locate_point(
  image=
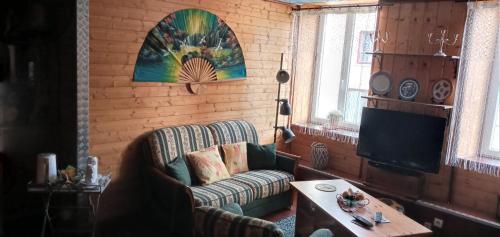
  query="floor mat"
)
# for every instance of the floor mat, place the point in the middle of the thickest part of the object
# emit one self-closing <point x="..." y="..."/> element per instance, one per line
<point x="287" y="225"/>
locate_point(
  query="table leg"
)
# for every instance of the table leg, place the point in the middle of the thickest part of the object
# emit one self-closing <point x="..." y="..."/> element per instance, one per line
<point x="46" y="218"/>
<point x="95" y="211"/>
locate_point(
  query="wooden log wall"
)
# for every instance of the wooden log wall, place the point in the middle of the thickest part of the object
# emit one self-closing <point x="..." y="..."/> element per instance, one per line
<point x="122" y="112"/>
<point x="408" y="25"/>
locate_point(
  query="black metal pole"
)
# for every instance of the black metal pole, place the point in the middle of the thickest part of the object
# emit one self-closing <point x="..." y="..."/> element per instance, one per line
<point x="278" y="102"/>
<point x="277" y="108"/>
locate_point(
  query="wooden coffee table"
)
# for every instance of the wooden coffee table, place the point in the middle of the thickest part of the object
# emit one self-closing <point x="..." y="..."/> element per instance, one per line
<point x="317" y="209"/>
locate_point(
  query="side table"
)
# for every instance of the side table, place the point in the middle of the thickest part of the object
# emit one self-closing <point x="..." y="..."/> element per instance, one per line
<point x="93" y="193"/>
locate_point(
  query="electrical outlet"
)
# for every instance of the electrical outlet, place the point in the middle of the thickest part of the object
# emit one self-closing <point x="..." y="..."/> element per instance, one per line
<point x="428" y="225"/>
<point x="438" y="222"/>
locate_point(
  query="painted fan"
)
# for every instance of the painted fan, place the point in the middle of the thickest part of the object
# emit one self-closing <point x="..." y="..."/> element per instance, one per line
<point x="190" y="46"/>
<point x="197" y="70"/>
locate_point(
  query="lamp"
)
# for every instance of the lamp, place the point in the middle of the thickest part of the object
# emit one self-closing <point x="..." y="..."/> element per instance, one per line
<point x="287" y="134"/>
<point x="285" y="109"/>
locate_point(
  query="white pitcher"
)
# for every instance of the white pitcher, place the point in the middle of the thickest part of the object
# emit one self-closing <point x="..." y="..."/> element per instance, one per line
<point x="46" y="168"/>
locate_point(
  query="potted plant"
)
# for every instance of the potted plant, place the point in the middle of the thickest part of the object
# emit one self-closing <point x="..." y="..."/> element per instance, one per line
<point x="333" y="119"/>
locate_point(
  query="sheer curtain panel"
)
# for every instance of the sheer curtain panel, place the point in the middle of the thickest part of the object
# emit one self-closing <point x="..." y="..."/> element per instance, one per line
<point x="474" y="142"/>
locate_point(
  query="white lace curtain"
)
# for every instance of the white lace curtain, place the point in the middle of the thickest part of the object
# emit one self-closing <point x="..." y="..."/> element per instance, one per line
<point x="473" y="125"/>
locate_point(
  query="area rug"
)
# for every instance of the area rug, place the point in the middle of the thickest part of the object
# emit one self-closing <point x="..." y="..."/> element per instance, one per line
<point x="287" y="225"/>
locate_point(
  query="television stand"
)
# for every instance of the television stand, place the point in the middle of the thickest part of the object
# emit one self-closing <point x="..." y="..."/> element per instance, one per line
<point x="394" y="169"/>
<point x="400" y="181"/>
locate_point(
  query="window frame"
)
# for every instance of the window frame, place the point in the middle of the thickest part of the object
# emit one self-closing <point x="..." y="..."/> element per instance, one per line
<point x="491" y="108"/>
<point x="346" y="63"/>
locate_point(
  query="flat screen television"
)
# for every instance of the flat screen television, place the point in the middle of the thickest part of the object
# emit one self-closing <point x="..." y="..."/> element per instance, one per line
<point x="402" y="140"/>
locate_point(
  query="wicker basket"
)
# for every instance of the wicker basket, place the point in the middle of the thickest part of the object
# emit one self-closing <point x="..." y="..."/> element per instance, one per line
<point x="319" y="154"/>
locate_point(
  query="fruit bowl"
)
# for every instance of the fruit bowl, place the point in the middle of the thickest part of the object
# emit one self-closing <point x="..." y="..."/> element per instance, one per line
<point x="351" y="201"/>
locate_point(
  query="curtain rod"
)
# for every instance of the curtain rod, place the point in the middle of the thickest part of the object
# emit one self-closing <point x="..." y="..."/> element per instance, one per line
<point x="298" y="6"/>
<point x="340" y="6"/>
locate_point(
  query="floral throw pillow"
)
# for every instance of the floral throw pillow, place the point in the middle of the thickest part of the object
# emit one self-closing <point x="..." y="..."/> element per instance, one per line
<point x="235" y="157"/>
<point x="208" y="166"/>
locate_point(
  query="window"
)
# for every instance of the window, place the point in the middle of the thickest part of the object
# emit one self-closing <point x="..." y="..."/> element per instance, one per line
<point x="491" y="129"/>
<point x="343" y="68"/>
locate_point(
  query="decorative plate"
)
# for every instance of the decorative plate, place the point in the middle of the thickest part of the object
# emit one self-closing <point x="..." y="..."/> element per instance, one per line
<point x="441" y="90"/>
<point x="351" y="205"/>
<point x="408" y="89"/>
<point x="381" y="83"/>
<point x="325" y="187"/>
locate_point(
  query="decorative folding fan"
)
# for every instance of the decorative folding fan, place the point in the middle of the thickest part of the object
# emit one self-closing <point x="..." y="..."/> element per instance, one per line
<point x="197" y="70"/>
<point x="190" y="46"/>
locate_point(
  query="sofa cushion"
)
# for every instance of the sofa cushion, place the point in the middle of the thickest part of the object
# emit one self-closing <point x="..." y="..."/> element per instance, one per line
<point x="265" y="183"/>
<point x="166" y="144"/>
<point x="207" y="165"/>
<point x="242" y="188"/>
<point x="233" y="131"/>
<point x="235" y="157"/>
<point x="222" y="192"/>
<point x="178" y="169"/>
<point x="261" y="156"/>
<point x="234" y="208"/>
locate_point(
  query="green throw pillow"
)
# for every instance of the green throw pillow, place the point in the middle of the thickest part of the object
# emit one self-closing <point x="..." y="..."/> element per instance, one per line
<point x="261" y="157"/>
<point x="178" y="169"/>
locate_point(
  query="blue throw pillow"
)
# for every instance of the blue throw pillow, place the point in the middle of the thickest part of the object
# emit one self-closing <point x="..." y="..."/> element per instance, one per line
<point x="178" y="169"/>
<point x="261" y="157"/>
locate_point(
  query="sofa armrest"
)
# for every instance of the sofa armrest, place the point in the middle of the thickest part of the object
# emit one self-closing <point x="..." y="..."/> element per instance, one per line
<point x="211" y="221"/>
<point x="287" y="162"/>
<point x="165" y="187"/>
<point x="174" y="199"/>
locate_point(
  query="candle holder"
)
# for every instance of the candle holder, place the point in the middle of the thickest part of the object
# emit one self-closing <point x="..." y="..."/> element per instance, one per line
<point x="376" y="38"/>
<point x="442" y="41"/>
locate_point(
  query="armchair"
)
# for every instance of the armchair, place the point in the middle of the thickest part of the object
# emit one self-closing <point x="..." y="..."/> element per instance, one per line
<point x="229" y="221"/>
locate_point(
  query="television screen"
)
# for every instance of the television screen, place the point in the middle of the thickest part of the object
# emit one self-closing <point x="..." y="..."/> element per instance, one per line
<point x="401" y="139"/>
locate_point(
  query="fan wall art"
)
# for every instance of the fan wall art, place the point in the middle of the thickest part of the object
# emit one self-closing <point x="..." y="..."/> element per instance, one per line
<point x="190" y="46"/>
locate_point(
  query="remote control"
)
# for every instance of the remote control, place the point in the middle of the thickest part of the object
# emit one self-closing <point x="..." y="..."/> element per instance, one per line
<point x="378" y="217"/>
<point x="363" y="221"/>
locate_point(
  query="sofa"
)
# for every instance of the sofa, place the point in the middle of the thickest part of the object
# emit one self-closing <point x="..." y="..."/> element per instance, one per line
<point x="258" y="192"/>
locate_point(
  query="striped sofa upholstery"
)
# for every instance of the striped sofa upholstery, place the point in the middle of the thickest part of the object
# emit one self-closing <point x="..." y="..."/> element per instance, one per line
<point x="243" y="188"/>
<point x="214" y="222"/>
<point x="233" y="131"/>
<point x="221" y="193"/>
<point x="167" y="144"/>
<point x="265" y="183"/>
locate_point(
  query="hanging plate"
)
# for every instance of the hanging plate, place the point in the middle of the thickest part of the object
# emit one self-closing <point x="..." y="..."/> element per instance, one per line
<point x="441" y="90"/>
<point x="190" y="45"/>
<point x="408" y="89"/>
<point x="381" y="83"/>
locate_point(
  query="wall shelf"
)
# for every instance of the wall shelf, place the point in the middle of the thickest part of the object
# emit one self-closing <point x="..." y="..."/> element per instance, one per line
<point x="380" y="58"/>
<point x="374" y="97"/>
<point x="413" y="55"/>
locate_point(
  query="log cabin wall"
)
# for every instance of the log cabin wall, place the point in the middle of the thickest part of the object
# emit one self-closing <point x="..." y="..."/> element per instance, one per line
<point x="123" y="112"/>
<point x="408" y="25"/>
